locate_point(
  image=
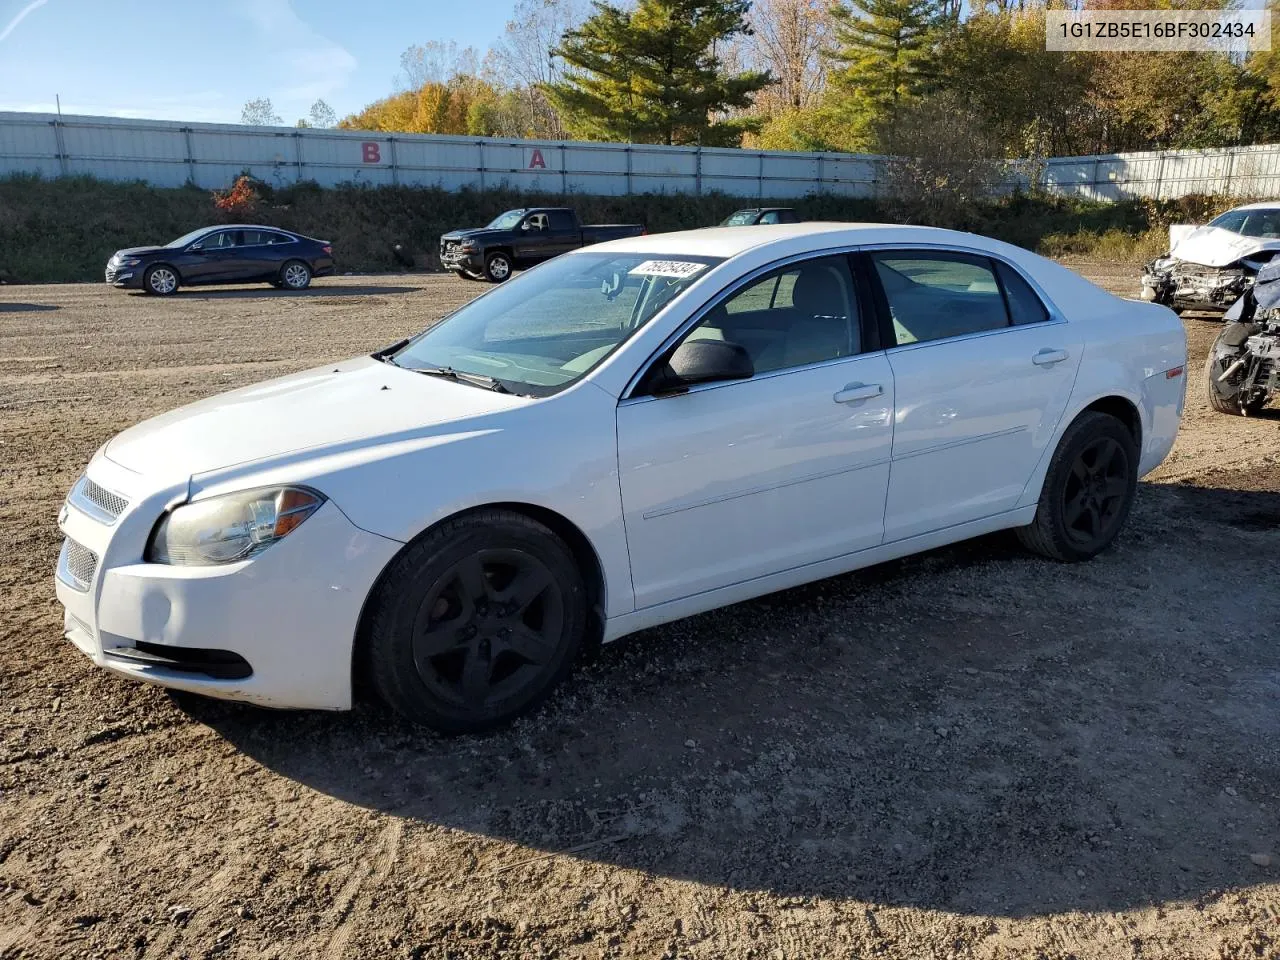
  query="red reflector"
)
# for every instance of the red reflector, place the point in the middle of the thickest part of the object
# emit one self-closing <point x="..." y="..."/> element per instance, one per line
<point x="1173" y="372"/>
<point x="327" y="249"/>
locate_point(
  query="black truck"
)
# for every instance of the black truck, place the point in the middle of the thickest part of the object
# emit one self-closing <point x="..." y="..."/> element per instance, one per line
<point x="521" y="238"/>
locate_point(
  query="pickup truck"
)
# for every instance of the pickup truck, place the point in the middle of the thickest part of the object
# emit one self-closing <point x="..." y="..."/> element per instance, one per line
<point x="521" y="238"/>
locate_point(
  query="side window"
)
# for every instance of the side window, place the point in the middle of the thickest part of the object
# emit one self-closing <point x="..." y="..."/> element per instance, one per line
<point x="770" y="217"/>
<point x="932" y="296"/>
<point x="561" y="220"/>
<point x="221" y="240"/>
<point x="1025" y="306"/>
<point x="536" y="221"/>
<point x="252" y="238"/>
<point x="803" y="313"/>
<point x="273" y="239"/>
<point x="787" y="216"/>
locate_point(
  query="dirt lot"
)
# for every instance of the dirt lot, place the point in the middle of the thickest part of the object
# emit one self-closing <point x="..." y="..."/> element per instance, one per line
<point x="967" y="754"/>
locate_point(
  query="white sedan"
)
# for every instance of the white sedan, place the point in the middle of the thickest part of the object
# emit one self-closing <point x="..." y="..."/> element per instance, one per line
<point x="625" y="435"/>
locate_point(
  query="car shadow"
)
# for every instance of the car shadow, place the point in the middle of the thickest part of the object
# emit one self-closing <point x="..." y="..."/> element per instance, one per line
<point x="28" y="307"/>
<point x="969" y="730"/>
<point x="263" y="291"/>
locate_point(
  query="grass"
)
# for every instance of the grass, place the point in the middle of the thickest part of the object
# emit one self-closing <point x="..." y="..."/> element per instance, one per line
<point x="65" y="229"/>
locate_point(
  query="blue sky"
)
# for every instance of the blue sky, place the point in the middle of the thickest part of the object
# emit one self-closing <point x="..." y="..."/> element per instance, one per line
<point x="200" y="60"/>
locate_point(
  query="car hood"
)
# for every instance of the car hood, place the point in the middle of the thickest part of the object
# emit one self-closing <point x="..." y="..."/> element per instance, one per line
<point x="327" y="408"/>
<point x="138" y="251"/>
<point x="1215" y="247"/>
<point x="480" y="233"/>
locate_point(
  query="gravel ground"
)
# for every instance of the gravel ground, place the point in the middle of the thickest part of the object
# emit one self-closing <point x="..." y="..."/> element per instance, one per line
<point x="971" y="753"/>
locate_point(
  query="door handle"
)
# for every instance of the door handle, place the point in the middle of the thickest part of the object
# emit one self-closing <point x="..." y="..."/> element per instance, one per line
<point x="857" y="391"/>
<point x="1048" y="357"/>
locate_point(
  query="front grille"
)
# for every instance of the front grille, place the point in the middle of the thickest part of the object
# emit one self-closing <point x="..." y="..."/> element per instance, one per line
<point x="110" y="503"/>
<point x="77" y="564"/>
<point x="97" y="501"/>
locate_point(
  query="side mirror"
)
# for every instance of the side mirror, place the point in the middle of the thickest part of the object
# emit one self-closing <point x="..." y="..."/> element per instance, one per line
<point x="703" y="361"/>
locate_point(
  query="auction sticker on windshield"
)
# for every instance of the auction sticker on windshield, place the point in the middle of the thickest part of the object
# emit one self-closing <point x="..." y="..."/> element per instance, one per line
<point x="678" y="269"/>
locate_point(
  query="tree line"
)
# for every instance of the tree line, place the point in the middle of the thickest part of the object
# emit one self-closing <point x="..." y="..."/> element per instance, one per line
<point x="885" y="76"/>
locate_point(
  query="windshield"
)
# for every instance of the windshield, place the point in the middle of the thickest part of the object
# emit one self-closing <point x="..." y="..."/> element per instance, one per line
<point x="187" y="238"/>
<point x="740" y="219"/>
<point x="548" y="327"/>
<point x="508" y="220"/>
<point x="1261" y="223"/>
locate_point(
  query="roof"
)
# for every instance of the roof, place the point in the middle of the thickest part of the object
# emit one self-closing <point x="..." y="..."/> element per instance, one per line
<point x="731" y="241"/>
<point x="1265" y="205"/>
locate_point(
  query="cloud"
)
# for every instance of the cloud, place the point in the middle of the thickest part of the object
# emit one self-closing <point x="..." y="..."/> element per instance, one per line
<point x="311" y="64"/>
<point x="25" y="12"/>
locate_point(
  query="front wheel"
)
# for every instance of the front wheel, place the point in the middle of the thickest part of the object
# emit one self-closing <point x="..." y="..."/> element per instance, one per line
<point x="476" y="622"/>
<point x="1223" y="386"/>
<point x="1088" y="490"/>
<point x="497" y="267"/>
<point x="295" y="275"/>
<point x="161" y="280"/>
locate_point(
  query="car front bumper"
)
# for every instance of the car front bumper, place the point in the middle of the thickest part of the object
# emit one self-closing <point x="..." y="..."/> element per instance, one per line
<point x="1189" y="286"/>
<point x="123" y="277"/>
<point x="453" y="257"/>
<point x="275" y="630"/>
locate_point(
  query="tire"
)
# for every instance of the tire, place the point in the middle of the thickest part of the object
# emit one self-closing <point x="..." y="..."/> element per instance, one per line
<point x="497" y="267"/>
<point x="1232" y="335"/>
<point x="295" y="275"/>
<point x="1088" y="490"/>
<point x="514" y="609"/>
<point x="161" y="280"/>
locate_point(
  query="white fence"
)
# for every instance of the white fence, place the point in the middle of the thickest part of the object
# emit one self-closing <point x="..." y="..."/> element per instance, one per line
<point x="211" y="155"/>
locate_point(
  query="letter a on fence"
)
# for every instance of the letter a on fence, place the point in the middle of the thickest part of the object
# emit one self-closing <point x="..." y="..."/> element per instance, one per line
<point x="535" y="160"/>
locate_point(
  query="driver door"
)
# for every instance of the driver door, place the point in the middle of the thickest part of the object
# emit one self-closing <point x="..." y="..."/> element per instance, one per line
<point x="212" y="259"/>
<point x="532" y="240"/>
<point x="736" y="480"/>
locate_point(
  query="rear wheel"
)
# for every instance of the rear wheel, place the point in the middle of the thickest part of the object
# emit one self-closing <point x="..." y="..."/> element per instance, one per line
<point x="162" y="280"/>
<point x="476" y="622"/>
<point x="1087" y="491"/>
<point x="295" y="275"/>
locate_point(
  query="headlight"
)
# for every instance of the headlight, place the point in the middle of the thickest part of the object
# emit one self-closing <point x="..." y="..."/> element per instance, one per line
<point x="129" y="262"/>
<point x="468" y="246"/>
<point x="232" y="527"/>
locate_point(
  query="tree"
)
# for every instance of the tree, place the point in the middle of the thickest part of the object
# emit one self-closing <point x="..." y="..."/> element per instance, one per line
<point x="886" y="57"/>
<point x="788" y="37"/>
<point x="652" y="74"/>
<point x="525" y="60"/>
<point x="448" y="108"/>
<point x="322" y="115"/>
<point x="436" y="62"/>
<point x="260" y="113"/>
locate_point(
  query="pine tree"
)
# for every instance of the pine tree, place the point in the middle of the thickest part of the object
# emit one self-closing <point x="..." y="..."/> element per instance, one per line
<point x="652" y="74"/>
<point x="885" y="56"/>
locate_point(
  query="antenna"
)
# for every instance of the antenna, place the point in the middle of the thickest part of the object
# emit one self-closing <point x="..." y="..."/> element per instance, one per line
<point x="58" y="100"/>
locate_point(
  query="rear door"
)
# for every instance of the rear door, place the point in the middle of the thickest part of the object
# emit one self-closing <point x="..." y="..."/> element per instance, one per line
<point x="738" y="480"/>
<point x="983" y="371"/>
<point x="256" y="258"/>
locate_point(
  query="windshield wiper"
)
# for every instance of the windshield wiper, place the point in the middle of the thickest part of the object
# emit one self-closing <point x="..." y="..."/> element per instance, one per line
<point x="475" y="379"/>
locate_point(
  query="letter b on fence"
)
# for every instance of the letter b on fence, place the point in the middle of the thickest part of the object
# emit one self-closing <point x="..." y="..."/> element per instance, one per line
<point x="371" y="152"/>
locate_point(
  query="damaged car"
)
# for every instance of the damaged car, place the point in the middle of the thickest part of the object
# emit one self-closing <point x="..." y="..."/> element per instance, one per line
<point x="1243" y="368"/>
<point x="1209" y="268"/>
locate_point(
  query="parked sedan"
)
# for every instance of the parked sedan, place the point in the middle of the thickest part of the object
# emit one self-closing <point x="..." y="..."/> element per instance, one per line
<point x="623" y="436"/>
<point x="237" y="253"/>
